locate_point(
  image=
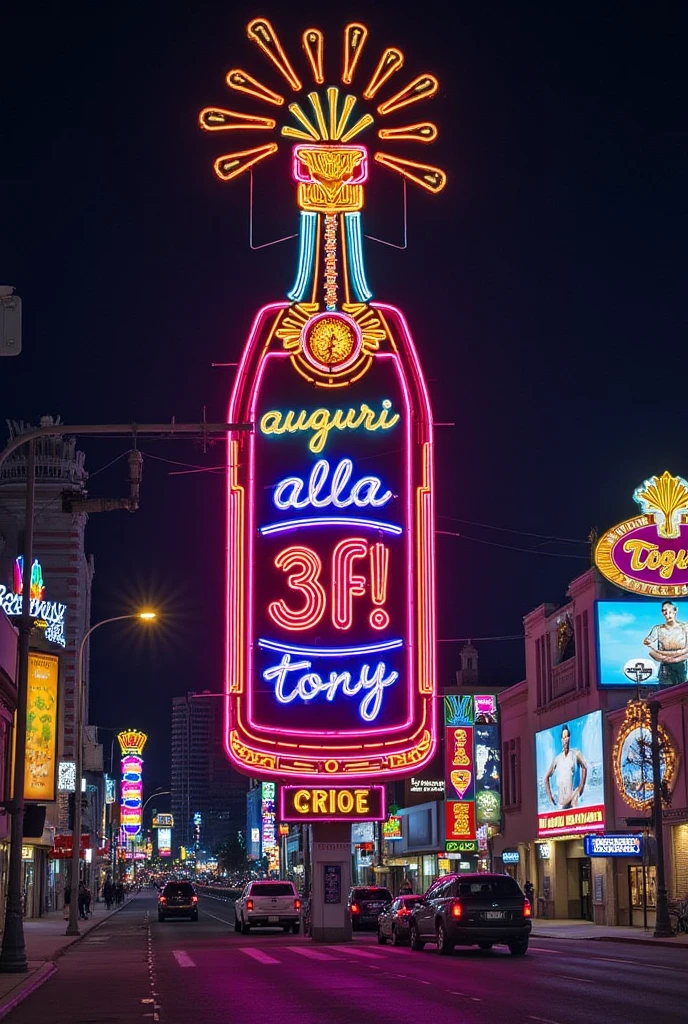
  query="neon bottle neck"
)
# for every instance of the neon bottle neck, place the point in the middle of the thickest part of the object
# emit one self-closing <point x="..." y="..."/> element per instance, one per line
<point x="330" y="261"/>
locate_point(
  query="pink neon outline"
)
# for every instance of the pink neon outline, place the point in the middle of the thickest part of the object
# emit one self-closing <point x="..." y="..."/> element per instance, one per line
<point x="335" y="785"/>
<point x="424" y="698"/>
<point x="338" y="367"/>
<point x="296" y="165"/>
<point x="411" y="673"/>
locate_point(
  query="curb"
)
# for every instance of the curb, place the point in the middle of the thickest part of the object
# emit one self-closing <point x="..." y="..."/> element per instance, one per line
<point x="34" y="981"/>
<point x="667" y="943"/>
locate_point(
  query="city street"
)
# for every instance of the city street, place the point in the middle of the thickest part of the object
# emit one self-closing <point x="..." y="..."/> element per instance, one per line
<point x="135" y="968"/>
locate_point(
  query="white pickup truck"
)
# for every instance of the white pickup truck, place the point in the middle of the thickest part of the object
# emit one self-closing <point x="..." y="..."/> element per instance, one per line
<point x="268" y="904"/>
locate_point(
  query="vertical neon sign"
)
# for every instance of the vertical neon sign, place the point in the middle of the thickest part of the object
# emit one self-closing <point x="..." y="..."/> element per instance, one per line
<point x="330" y="641"/>
<point x="131" y="787"/>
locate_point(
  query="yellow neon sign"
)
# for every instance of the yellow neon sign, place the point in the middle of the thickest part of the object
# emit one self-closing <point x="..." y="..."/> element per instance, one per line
<point x="322" y="421"/>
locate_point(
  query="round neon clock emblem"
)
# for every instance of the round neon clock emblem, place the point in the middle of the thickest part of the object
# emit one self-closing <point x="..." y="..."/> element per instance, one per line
<point x="331" y="342"/>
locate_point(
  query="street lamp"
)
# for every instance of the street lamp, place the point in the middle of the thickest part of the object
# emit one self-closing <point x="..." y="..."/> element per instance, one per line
<point x="146" y="616"/>
<point x="663" y="927"/>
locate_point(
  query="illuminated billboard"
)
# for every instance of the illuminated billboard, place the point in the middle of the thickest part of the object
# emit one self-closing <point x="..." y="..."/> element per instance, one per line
<point x="648" y="554"/>
<point x="473" y="775"/>
<point x="570" y="777"/>
<point x="642" y="642"/>
<point x="131" y="743"/>
<point x="164" y="842"/>
<point x="41" y="727"/>
<point x="330" y="644"/>
<point x="48" y="616"/>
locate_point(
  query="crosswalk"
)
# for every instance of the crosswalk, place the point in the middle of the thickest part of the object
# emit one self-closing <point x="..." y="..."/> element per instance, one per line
<point x="277" y="954"/>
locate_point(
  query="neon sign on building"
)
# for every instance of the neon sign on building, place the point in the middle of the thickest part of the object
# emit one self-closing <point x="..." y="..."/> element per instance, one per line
<point x="49" y="615"/>
<point x="131" y="789"/>
<point x="330" y="653"/>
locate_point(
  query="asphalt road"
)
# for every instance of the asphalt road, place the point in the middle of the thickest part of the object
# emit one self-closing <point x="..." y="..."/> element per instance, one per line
<point x="134" y="968"/>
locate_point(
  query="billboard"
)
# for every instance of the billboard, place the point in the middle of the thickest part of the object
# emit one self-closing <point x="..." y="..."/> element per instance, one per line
<point x="642" y="642"/>
<point x="570" y="777"/>
<point x="164" y="842"/>
<point x="41" y="727"/>
<point x="647" y="554"/>
<point x="473" y="774"/>
<point x="330" y="615"/>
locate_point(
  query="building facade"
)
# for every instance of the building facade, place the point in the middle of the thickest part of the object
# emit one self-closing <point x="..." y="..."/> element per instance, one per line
<point x="67" y="574"/>
<point x="569" y="772"/>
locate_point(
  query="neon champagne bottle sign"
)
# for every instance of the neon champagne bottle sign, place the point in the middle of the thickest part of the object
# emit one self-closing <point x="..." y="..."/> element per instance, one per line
<point x="331" y="589"/>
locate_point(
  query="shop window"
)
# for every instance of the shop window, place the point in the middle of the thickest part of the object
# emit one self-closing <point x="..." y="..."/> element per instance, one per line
<point x="635" y="877"/>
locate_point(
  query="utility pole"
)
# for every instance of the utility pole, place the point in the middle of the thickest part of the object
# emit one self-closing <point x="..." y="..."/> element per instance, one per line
<point x="663" y="927"/>
<point x="13" y="952"/>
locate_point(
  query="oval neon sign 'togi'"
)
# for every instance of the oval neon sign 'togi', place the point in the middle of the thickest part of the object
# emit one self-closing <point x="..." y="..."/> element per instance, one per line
<point x="649" y="554"/>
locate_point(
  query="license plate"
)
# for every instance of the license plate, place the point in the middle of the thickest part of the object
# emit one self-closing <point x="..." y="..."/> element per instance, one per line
<point x="494" y="915"/>
<point x="273" y="920"/>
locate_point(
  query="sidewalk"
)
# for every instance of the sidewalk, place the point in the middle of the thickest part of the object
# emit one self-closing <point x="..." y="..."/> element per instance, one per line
<point x="45" y="941"/>
<point x="544" y="929"/>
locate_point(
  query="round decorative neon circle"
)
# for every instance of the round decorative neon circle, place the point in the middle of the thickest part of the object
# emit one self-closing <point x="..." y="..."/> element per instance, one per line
<point x="331" y="342"/>
<point x="632" y="758"/>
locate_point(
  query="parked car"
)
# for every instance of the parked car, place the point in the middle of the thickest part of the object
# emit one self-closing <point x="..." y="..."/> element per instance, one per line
<point x="365" y="904"/>
<point x="395" y="920"/>
<point x="268" y="904"/>
<point x="467" y="910"/>
<point x="178" y="899"/>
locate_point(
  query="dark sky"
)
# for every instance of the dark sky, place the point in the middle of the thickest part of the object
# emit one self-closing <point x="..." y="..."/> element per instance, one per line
<point x="545" y="288"/>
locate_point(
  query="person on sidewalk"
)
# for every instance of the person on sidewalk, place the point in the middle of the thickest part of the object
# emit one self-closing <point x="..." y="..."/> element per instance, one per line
<point x="529" y="890"/>
<point x="109" y="894"/>
<point x="67" y="901"/>
<point x="82" y="901"/>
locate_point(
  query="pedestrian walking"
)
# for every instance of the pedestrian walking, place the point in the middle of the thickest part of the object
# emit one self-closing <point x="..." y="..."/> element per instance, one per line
<point x="119" y="894"/>
<point x="83" y="900"/>
<point x="67" y="901"/>
<point x="109" y="894"/>
<point x="529" y="890"/>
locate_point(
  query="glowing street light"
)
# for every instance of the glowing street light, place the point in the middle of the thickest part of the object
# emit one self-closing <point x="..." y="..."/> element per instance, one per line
<point x="146" y="616"/>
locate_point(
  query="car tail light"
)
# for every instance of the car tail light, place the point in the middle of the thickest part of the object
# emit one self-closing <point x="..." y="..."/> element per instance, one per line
<point x="249" y="904"/>
<point x="194" y="899"/>
<point x="403" y="912"/>
<point x="355" y="909"/>
<point x="456" y="910"/>
<point x="297" y="904"/>
<point x="162" y="899"/>
<point x="527" y="911"/>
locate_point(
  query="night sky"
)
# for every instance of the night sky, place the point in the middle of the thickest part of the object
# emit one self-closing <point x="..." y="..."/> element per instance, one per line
<point x="545" y="288"/>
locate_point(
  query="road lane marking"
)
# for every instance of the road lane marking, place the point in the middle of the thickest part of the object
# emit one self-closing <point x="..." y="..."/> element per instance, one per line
<point x="312" y="954"/>
<point x="259" y="955"/>
<point x="544" y="1020"/>
<point x="222" y="920"/>
<point x="542" y="949"/>
<point x="182" y="958"/>
<point x="571" y="977"/>
<point x="361" y="952"/>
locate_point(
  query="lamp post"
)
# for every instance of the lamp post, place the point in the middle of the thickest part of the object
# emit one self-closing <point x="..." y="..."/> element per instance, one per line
<point x="662" y="923"/>
<point x="73" y="924"/>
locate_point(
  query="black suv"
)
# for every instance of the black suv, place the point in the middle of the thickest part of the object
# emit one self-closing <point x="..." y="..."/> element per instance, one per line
<point x="467" y="910"/>
<point x="178" y="899"/>
<point x="365" y="904"/>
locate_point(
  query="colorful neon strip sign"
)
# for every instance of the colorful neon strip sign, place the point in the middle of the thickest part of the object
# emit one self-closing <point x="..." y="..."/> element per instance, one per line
<point x="131" y="744"/>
